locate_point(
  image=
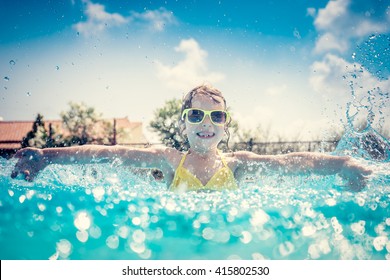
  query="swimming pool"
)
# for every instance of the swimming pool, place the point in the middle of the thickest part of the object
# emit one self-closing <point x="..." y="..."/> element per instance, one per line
<point x="109" y="212"/>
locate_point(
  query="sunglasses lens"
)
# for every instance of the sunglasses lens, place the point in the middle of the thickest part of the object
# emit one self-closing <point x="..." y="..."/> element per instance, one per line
<point x="218" y="117"/>
<point x="195" y="116"/>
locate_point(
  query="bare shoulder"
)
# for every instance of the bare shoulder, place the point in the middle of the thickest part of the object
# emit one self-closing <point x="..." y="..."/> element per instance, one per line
<point x="234" y="159"/>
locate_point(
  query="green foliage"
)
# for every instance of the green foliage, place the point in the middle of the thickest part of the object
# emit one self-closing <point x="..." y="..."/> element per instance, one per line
<point x="40" y="137"/>
<point x="80" y="120"/>
<point x="166" y="125"/>
<point x="82" y="124"/>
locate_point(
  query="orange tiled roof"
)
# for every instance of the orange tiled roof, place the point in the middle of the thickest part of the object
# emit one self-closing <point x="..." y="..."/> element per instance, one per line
<point x="12" y="132"/>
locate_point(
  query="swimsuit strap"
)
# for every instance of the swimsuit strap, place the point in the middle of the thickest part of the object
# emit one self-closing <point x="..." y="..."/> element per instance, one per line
<point x="182" y="160"/>
<point x="222" y="158"/>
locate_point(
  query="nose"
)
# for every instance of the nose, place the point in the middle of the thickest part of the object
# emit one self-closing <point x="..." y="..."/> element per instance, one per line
<point x="207" y="121"/>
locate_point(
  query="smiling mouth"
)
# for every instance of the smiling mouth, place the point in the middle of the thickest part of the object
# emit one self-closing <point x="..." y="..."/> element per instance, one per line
<point x="205" y="134"/>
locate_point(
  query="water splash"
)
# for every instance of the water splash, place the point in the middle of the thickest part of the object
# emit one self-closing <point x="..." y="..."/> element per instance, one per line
<point x="369" y="100"/>
<point x="367" y="144"/>
<point x="110" y="212"/>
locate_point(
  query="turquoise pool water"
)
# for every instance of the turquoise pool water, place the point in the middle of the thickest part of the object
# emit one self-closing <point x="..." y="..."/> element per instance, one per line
<point x="108" y="212"/>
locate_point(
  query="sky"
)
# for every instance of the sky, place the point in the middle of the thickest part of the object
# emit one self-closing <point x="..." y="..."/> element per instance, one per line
<point x="290" y="67"/>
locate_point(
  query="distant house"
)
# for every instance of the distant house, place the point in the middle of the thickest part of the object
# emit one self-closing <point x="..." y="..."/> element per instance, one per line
<point x="13" y="132"/>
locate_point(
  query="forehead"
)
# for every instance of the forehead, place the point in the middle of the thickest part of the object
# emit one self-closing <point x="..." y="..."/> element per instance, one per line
<point x="206" y="102"/>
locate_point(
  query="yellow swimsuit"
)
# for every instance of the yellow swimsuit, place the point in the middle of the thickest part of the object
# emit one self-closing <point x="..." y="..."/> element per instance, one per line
<point x="184" y="180"/>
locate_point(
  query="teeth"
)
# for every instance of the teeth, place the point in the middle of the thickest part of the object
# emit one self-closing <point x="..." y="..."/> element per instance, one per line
<point x="205" y="134"/>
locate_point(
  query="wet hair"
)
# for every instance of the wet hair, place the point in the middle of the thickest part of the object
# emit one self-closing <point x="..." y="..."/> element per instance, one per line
<point x="206" y="90"/>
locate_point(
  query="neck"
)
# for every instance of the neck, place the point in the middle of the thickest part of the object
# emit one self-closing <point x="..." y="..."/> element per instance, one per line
<point x="203" y="153"/>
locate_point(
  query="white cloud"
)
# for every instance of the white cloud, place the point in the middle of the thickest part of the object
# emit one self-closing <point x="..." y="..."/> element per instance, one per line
<point x="157" y="19"/>
<point x="327" y="72"/>
<point x="366" y="27"/>
<point x="190" y="71"/>
<point x="328" y="17"/>
<point x="98" y="19"/>
<point x="344" y="82"/>
<point x="338" y="26"/>
<point x="329" y="41"/>
<point x="1" y="118"/>
<point x="333" y="74"/>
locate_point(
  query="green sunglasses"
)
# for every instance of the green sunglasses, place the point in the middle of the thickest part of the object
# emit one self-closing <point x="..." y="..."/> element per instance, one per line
<point x="217" y="117"/>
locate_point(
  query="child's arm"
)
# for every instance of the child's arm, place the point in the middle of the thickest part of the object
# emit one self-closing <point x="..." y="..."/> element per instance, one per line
<point x="32" y="160"/>
<point x="304" y="163"/>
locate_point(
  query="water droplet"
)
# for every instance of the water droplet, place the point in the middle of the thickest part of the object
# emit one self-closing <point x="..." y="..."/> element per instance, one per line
<point x="78" y="33"/>
<point x="296" y="34"/>
<point x="112" y="241"/>
<point x="124" y="231"/>
<point x="28" y="93"/>
<point x="286" y="248"/>
<point x="12" y="62"/>
<point x="208" y="233"/>
<point x="246" y="237"/>
<point x="82" y="236"/>
<point x="64" y="248"/>
<point x="95" y="232"/>
<point x="139" y="236"/>
<point x="22" y="198"/>
<point x="6" y="79"/>
<point x="82" y="221"/>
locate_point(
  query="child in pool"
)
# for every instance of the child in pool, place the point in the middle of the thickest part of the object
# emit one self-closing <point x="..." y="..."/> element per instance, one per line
<point x="204" y="121"/>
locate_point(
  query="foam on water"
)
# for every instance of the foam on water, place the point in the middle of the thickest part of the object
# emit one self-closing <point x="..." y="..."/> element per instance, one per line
<point x="110" y="212"/>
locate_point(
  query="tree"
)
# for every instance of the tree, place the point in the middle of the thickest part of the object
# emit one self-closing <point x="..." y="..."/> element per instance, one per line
<point x="80" y="121"/>
<point x="40" y="137"/>
<point x="166" y="125"/>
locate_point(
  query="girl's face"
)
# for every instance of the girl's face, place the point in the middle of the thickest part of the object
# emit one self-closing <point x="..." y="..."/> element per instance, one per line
<point x="205" y="136"/>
